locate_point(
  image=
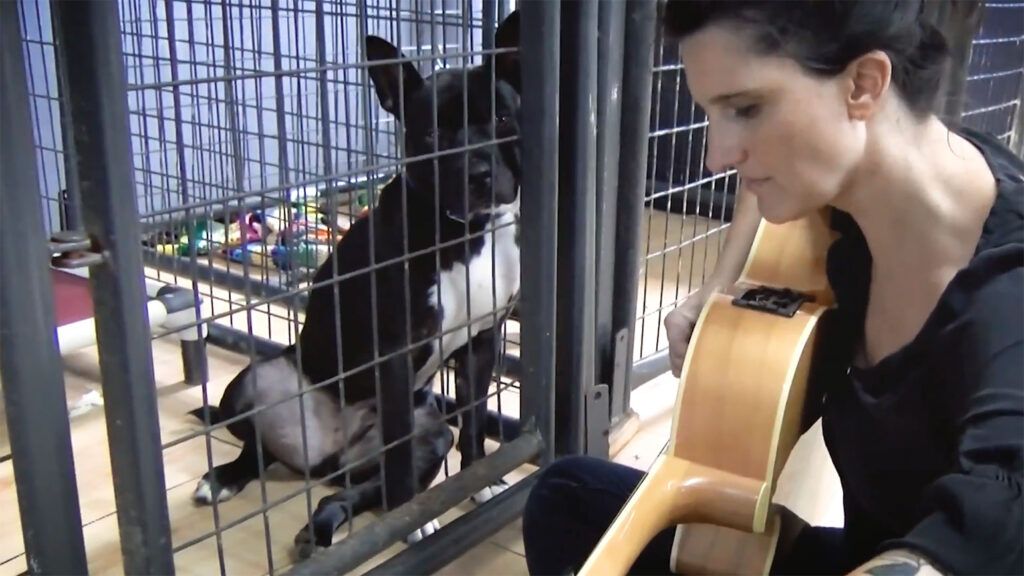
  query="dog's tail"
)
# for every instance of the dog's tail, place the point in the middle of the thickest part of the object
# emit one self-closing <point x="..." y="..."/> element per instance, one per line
<point x="215" y="415"/>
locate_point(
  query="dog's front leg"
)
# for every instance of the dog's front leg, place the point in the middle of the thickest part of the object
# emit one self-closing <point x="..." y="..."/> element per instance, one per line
<point x="396" y="428"/>
<point x="473" y="372"/>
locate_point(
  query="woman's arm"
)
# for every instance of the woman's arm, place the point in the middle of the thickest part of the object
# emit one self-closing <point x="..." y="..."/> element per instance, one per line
<point x="738" y="240"/>
<point x="733" y="256"/>
<point x="897" y="563"/>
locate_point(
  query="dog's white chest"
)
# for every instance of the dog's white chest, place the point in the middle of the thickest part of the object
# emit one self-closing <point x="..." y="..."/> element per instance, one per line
<point x="492" y="279"/>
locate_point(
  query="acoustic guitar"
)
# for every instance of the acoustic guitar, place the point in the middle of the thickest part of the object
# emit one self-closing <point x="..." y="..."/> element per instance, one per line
<point x="737" y="414"/>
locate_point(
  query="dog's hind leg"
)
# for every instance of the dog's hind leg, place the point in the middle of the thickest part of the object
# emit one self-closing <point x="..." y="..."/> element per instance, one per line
<point x="334" y="510"/>
<point x="432" y="443"/>
<point x="473" y="372"/>
<point x="226" y="480"/>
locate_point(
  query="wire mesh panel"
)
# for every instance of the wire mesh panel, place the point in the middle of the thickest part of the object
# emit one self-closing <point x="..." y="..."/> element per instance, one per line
<point x="995" y="75"/>
<point x="261" y="137"/>
<point x="687" y="208"/>
<point x="41" y="69"/>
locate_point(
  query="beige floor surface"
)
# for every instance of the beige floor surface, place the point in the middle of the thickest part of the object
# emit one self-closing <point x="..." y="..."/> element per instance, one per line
<point x="682" y="249"/>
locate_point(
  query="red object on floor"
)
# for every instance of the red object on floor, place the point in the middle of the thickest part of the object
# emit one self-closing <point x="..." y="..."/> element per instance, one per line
<point x="71" y="297"/>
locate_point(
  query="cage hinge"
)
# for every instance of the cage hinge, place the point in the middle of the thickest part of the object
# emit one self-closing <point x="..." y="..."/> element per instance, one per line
<point x="71" y="249"/>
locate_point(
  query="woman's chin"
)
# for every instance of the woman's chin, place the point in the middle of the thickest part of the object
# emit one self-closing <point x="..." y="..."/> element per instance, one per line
<point x="773" y="213"/>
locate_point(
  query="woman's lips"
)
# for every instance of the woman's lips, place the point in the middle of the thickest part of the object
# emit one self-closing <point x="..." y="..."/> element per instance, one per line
<point x="755" y="182"/>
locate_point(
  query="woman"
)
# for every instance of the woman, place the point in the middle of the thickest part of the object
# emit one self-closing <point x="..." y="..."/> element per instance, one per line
<point x="828" y="103"/>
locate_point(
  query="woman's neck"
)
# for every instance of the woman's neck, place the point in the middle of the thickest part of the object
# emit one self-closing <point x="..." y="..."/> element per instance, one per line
<point x="920" y="196"/>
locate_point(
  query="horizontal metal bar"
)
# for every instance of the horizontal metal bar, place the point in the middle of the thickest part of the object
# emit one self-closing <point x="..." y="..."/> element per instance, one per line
<point x="436" y="551"/>
<point x="238" y="341"/>
<point x="221" y="278"/>
<point x="991" y="108"/>
<point x="1007" y="40"/>
<point x="991" y="75"/>
<point x="394" y="525"/>
<point x="499" y="427"/>
<point x="377" y="168"/>
<point x="649" y="368"/>
<point x="317" y="69"/>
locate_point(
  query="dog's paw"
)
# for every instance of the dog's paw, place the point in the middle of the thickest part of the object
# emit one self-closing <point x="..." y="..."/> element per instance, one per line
<point x="427" y="530"/>
<point x="304" y="545"/>
<point x="205" y="492"/>
<point x="490" y="492"/>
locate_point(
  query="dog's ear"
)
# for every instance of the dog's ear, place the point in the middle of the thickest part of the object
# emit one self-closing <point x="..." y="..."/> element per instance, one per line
<point x="388" y="79"/>
<point x="506" y="65"/>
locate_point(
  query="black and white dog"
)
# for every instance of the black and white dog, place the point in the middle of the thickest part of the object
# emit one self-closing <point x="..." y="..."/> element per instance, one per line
<point x="346" y="423"/>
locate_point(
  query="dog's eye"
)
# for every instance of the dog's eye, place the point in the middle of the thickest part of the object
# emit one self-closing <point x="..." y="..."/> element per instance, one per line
<point x="501" y="120"/>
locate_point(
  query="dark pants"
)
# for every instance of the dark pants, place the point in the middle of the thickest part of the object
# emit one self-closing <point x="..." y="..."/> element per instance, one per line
<point x="576" y="499"/>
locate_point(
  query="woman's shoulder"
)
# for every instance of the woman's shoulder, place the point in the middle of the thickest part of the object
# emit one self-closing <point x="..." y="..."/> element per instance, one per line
<point x="1005" y="222"/>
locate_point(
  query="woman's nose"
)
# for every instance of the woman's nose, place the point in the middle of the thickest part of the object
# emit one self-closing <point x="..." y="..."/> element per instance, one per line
<point x="724" y="151"/>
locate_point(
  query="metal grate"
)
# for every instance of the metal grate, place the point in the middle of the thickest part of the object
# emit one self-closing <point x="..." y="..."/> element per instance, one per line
<point x="995" y="74"/>
<point x="257" y="143"/>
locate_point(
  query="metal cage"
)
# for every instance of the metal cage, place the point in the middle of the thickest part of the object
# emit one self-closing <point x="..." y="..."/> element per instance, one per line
<point x="201" y="159"/>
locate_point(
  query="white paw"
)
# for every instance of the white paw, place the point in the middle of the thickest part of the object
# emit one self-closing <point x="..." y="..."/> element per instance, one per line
<point x="427" y="530"/>
<point x="204" y="494"/>
<point x="490" y="492"/>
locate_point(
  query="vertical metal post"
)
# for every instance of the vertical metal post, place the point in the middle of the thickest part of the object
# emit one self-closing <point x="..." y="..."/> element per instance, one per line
<point x="539" y="205"/>
<point x="37" y="418"/>
<point x="575" y="365"/>
<point x="489" y="10"/>
<point x="638" y="62"/>
<point x="611" y="27"/>
<point x="72" y="202"/>
<point x="94" y="68"/>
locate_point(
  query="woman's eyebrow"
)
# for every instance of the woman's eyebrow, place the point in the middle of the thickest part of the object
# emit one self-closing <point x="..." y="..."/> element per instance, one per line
<point x="726" y="98"/>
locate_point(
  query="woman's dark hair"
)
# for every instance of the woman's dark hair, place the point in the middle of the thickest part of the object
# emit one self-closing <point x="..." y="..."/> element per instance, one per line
<point x="824" y="36"/>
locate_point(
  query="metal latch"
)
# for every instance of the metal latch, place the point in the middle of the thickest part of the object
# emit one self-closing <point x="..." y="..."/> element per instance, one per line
<point x="73" y="249"/>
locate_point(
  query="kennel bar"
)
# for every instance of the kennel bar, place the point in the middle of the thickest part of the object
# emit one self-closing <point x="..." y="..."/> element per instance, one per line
<point x="611" y="25"/>
<point x="539" y="223"/>
<point x="33" y="381"/>
<point x="389" y="527"/>
<point x="637" y="76"/>
<point x="98" y="109"/>
<point x="574" y="339"/>
<point x="464" y="533"/>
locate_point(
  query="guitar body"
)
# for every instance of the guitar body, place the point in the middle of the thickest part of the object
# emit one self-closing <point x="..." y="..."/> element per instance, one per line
<point x="738" y="414"/>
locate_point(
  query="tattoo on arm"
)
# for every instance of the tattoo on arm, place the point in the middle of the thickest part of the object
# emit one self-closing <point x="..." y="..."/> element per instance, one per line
<point x="898" y="563"/>
<point x="895" y="568"/>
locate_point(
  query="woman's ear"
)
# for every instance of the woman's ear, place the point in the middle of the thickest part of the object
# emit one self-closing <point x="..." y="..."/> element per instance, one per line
<point x="868" y="79"/>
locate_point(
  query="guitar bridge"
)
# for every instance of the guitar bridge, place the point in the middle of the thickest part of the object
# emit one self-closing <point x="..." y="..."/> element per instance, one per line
<point x="780" y="301"/>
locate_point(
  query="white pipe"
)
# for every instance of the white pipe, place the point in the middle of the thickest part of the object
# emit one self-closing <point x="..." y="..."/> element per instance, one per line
<point x="82" y="334"/>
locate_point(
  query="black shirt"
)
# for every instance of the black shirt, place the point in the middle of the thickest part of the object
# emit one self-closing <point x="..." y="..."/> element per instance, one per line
<point x="929" y="442"/>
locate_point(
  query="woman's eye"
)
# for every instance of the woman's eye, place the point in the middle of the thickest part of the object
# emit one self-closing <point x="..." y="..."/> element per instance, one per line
<point x="747" y="112"/>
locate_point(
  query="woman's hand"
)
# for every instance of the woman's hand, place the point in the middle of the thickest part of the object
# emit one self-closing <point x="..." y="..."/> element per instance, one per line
<point x="679" y="324"/>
